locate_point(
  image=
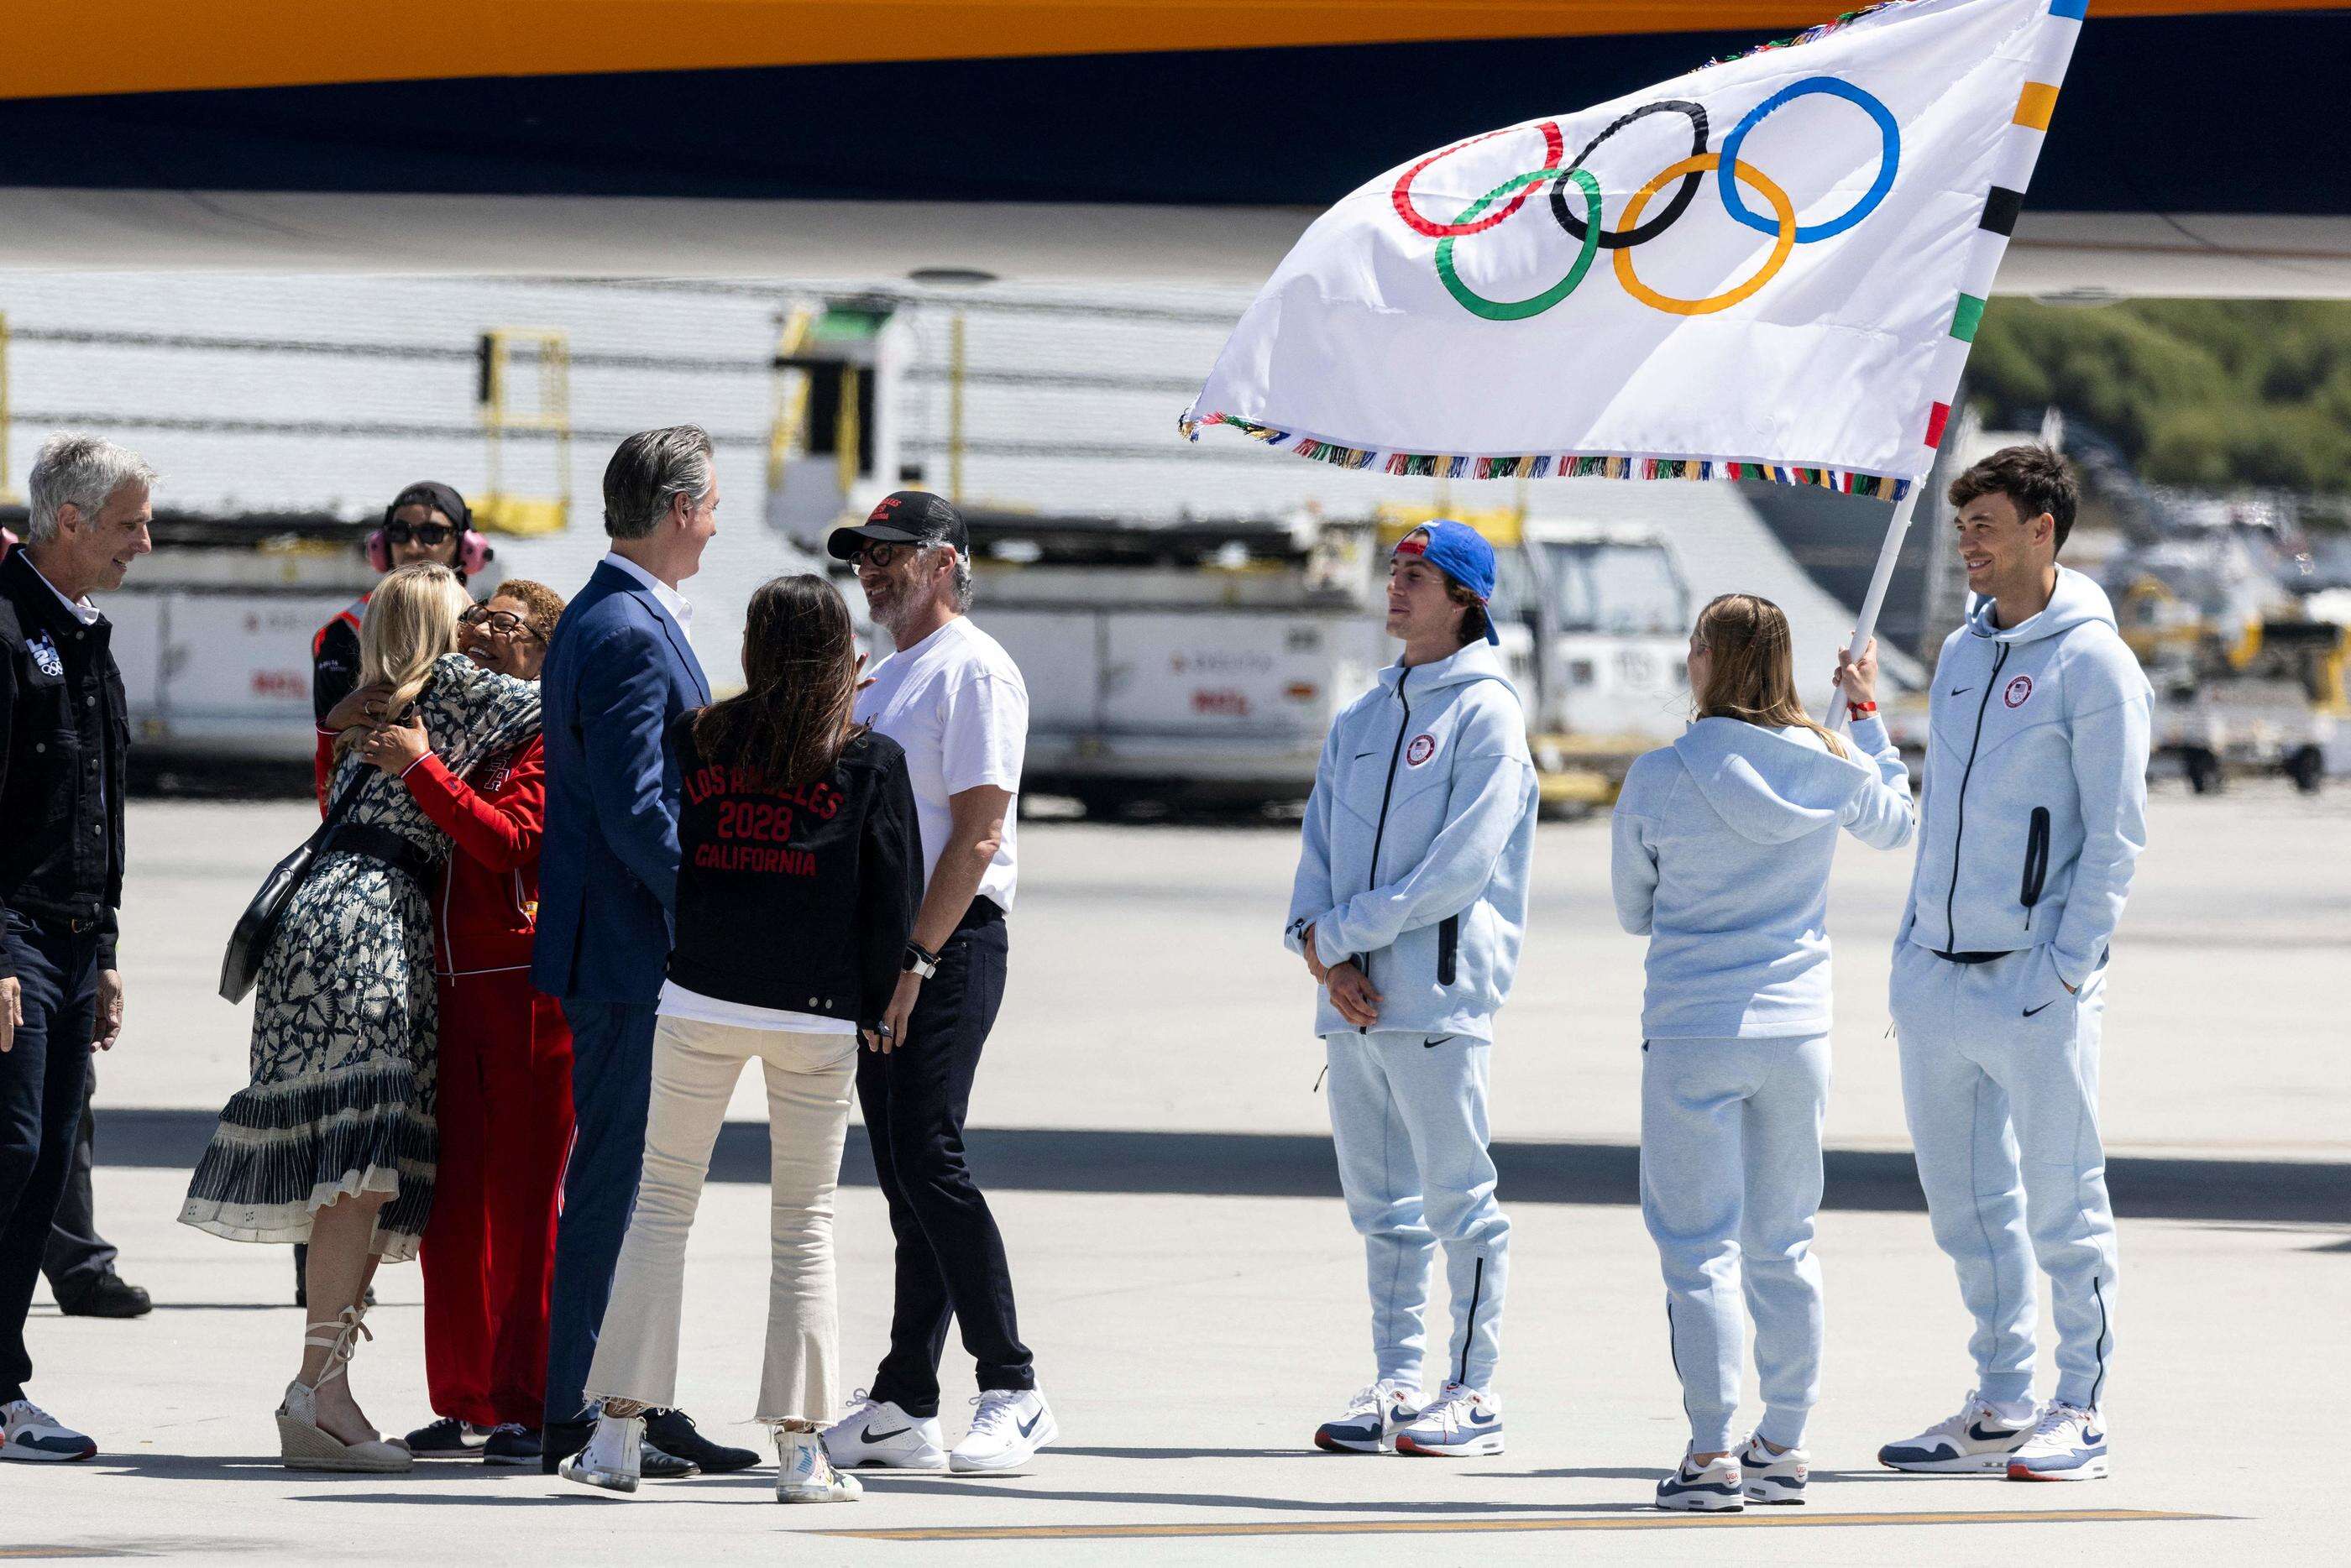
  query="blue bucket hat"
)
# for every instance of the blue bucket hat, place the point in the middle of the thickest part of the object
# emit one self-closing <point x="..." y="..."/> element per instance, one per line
<point x="1461" y="553"/>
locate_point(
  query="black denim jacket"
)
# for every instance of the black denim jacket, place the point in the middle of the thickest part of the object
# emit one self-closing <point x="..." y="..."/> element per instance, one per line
<point x="65" y="741"/>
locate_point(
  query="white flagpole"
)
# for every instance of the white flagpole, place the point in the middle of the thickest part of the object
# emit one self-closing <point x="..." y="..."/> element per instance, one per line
<point x="1874" y="599"/>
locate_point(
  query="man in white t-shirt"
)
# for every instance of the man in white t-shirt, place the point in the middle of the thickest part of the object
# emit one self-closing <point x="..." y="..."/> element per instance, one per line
<point x="953" y="699"/>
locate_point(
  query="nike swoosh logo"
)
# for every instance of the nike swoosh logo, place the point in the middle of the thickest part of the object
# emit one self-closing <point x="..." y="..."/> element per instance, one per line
<point x="1976" y="1431"/>
<point x="1030" y="1425"/>
<point x="1478" y="1420"/>
<point x="1361" y="755"/>
<point x="1959" y="691"/>
<point x="1433" y="1044"/>
<point x="2031" y="1011"/>
<point x="871" y="1435"/>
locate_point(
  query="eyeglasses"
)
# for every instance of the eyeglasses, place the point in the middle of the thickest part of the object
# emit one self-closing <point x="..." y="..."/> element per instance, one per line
<point x="498" y="623"/>
<point x="432" y="535"/>
<point x="879" y="557"/>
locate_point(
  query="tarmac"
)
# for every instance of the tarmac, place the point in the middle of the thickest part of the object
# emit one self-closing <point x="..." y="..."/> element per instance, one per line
<point x="1147" y="1125"/>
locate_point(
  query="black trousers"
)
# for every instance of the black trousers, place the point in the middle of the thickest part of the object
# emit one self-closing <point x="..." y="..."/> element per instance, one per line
<point x="951" y="1259"/>
<point x="41" y="1101"/>
<point x="77" y="1256"/>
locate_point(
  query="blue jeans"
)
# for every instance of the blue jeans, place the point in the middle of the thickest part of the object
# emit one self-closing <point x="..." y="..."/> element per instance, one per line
<point x="41" y="1081"/>
<point x="1730" y="1180"/>
<point x="612" y="1088"/>
<point x="1408" y="1122"/>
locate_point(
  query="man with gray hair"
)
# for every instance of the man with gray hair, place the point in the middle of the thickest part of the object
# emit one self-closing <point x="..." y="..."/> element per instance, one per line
<point x="64" y="736"/>
<point x="620" y="669"/>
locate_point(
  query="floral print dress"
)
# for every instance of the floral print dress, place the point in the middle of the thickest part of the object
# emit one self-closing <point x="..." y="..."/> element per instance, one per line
<point x="344" y="1019"/>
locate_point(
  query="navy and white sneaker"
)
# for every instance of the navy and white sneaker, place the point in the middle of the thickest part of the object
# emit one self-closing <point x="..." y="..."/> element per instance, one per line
<point x="1372" y="1418"/>
<point x="879" y="1433"/>
<point x="1464" y="1424"/>
<point x="446" y="1439"/>
<point x="1773" y="1477"/>
<point x="32" y="1436"/>
<point x="1977" y="1441"/>
<point x="2069" y="1444"/>
<point x="1714" y="1486"/>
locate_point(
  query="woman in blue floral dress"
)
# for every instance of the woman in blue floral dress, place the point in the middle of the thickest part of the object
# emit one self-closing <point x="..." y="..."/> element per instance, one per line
<point x="333" y="1143"/>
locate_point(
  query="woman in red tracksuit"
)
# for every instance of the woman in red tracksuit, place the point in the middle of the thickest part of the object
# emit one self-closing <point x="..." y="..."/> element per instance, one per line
<point x="504" y="1101"/>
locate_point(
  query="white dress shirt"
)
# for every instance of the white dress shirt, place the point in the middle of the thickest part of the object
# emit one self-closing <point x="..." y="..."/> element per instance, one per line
<point x="671" y="600"/>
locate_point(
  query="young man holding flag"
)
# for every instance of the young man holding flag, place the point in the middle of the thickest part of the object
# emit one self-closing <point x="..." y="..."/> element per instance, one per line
<point x="1413" y="873"/>
<point x="2034" y="814"/>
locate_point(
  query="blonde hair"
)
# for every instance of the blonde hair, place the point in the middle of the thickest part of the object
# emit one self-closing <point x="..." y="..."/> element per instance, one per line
<point x="1751" y="673"/>
<point x="412" y="621"/>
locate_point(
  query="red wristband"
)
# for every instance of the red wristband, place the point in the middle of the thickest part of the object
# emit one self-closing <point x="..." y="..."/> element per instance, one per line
<point x="1859" y="710"/>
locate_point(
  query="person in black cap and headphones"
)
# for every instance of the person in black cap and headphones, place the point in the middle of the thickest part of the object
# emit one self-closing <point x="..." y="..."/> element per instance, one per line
<point x="954" y="700"/>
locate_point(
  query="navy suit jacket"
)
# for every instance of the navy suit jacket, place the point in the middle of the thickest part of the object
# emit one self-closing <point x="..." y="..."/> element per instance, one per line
<point x="618" y="670"/>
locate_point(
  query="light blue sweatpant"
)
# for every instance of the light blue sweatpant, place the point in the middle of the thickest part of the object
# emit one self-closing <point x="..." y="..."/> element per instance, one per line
<point x="2000" y="1077"/>
<point x="1408" y="1119"/>
<point x="1730" y="1179"/>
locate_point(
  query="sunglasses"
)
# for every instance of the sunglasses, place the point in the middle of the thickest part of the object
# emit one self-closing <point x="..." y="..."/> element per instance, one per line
<point x="432" y="535"/>
<point x="498" y="623"/>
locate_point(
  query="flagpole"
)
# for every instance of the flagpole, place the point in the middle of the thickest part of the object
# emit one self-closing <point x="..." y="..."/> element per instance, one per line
<point x="1874" y="599"/>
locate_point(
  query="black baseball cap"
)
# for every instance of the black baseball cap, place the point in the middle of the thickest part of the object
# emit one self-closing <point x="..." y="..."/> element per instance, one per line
<point x="903" y="517"/>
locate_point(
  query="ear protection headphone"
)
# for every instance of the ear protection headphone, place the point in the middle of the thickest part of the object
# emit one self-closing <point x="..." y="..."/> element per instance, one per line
<point x="473" y="552"/>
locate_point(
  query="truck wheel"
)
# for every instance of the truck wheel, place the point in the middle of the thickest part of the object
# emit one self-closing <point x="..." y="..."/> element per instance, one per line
<point x="2203" y="770"/>
<point x="2306" y="766"/>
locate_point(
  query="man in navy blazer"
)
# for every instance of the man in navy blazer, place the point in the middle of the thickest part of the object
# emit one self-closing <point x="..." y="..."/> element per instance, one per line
<point x="620" y="667"/>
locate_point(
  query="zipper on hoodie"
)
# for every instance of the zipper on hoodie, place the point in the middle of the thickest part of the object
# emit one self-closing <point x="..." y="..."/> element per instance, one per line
<point x="2036" y="862"/>
<point x="1379" y="830"/>
<point x="1448" y="947"/>
<point x="1959" y="832"/>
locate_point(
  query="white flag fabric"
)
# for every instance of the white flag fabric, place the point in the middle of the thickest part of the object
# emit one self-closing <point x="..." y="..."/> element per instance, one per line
<point x="1770" y="267"/>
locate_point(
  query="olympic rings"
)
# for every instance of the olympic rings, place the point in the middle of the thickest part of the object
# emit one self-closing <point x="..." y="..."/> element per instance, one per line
<point x="1771" y="193"/>
<point x="1402" y="195"/>
<point x="1889" y="157"/>
<point x="1729" y="172"/>
<point x="1520" y="310"/>
<point x="1674" y="209"/>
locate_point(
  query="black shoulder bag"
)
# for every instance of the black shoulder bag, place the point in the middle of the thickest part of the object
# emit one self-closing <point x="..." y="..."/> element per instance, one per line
<point x="241" y="964"/>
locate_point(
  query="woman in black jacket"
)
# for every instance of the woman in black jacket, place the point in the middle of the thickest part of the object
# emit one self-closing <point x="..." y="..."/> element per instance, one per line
<point x="799" y="872"/>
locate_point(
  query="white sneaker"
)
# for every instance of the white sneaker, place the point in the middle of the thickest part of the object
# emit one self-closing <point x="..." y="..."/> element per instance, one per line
<point x="2068" y="1444"/>
<point x="1714" y="1486"/>
<point x="805" y="1474"/>
<point x="1977" y="1441"/>
<point x="1463" y="1423"/>
<point x="1008" y="1429"/>
<point x="1371" y="1420"/>
<point x="877" y="1432"/>
<point x="33" y="1436"/>
<point x="614" y="1458"/>
<point x="1773" y="1477"/>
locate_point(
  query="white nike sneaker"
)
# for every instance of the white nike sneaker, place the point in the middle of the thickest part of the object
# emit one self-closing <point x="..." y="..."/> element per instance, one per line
<point x="1714" y="1486"/>
<point x="1977" y="1441"/>
<point x="1371" y="1420"/>
<point x="31" y="1435"/>
<point x="878" y="1433"/>
<point x="2069" y="1444"/>
<point x="1773" y="1477"/>
<point x="1463" y="1423"/>
<point x="1009" y="1427"/>
<point x="614" y="1458"/>
<point x="804" y="1473"/>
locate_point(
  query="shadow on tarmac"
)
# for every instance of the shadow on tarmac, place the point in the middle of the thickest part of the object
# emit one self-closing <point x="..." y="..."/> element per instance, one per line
<point x="1292" y="1165"/>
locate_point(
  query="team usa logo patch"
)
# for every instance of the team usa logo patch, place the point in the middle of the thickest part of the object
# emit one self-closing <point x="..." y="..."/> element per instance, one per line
<point x="1423" y="747"/>
<point x="2019" y="690"/>
<point x="45" y="655"/>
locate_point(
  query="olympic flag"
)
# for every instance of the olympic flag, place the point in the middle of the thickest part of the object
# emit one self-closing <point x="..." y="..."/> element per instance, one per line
<point x="1770" y="267"/>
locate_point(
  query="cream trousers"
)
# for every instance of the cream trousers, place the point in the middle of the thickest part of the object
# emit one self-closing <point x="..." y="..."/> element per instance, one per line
<point x="694" y="1068"/>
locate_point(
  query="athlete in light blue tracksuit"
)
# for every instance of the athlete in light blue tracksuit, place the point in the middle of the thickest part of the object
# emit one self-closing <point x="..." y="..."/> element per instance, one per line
<point x="2034" y="814"/>
<point x="1409" y="902"/>
<point x="1723" y="843"/>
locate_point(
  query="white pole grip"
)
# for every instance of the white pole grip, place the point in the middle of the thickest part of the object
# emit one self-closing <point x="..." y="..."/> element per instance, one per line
<point x="1875" y="600"/>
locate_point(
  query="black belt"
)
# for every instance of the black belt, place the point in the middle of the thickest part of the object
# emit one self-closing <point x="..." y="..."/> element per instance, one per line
<point x="1970" y="958"/>
<point x="382" y="844"/>
<point x="984" y="910"/>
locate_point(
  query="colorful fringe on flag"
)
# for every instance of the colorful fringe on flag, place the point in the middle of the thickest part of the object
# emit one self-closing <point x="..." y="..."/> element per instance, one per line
<point x="1564" y="465"/>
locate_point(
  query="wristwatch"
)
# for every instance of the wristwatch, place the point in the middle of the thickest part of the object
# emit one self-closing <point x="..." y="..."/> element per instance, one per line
<point x="920" y="962"/>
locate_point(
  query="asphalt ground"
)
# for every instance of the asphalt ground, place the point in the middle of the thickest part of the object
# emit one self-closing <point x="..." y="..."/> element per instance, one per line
<point x="1148" y="1122"/>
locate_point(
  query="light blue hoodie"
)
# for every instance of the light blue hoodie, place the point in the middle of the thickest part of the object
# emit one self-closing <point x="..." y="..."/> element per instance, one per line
<point x="1723" y="842"/>
<point x="2034" y="806"/>
<point x="1418" y="840"/>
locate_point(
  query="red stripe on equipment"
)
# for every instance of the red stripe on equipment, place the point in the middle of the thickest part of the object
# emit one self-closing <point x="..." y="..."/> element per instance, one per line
<point x="1936" y="419"/>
